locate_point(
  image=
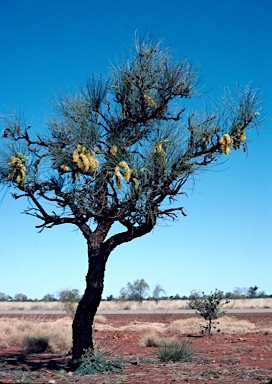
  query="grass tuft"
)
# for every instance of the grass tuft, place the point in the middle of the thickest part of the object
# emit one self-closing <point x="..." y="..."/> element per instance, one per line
<point x="174" y="350"/>
<point x="99" y="362"/>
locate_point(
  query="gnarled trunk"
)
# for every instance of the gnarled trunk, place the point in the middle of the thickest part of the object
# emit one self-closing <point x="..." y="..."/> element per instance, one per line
<point x="98" y="253"/>
<point x="87" y="307"/>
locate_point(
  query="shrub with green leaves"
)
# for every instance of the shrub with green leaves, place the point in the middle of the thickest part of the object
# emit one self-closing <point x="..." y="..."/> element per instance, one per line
<point x="98" y="361"/>
<point x="208" y="306"/>
<point x="175" y="350"/>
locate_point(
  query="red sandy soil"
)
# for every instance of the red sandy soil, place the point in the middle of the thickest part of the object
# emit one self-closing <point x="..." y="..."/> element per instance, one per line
<point x="223" y="358"/>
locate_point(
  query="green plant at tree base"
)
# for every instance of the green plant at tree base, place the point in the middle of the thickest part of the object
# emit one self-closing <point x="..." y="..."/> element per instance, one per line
<point x="208" y="306"/>
<point x="174" y="350"/>
<point x="98" y="361"/>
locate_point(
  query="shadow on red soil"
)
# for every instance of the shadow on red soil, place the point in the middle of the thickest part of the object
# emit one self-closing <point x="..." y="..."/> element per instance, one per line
<point x="223" y="358"/>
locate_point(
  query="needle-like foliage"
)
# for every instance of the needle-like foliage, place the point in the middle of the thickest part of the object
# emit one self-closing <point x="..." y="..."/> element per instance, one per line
<point x="118" y="151"/>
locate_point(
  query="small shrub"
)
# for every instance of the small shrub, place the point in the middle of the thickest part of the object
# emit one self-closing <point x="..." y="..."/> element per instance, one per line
<point x="69" y="300"/>
<point x="208" y="306"/>
<point x="174" y="350"/>
<point x="38" y="344"/>
<point x="150" y="340"/>
<point x="99" y="362"/>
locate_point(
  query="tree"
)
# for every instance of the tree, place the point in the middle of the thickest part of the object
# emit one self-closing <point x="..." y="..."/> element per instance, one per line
<point x="19" y="297"/>
<point x="69" y="299"/>
<point x="4" y="297"/>
<point x="136" y="291"/>
<point x="48" y="297"/>
<point x="252" y="292"/>
<point x="208" y="306"/>
<point x="118" y="152"/>
<point x="158" y="290"/>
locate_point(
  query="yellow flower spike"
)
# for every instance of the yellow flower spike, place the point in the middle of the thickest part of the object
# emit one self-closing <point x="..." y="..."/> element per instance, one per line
<point x="243" y="136"/>
<point x="85" y="164"/>
<point x="136" y="182"/>
<point x="118" y="182"/>
<point x="75" y="156"/>
<point x="18" y="169"/>
<point x="226" y="141"/>
<point x="159" y="153"/>
<point x="114" y="150"/>
<point x="149" y="99"/>
<point x="117" y="172"/>
<point x="64" y="168"/>
<point x="84" y="159"/>
<point x="118" y="176"/>
<point x="127" y="171"/>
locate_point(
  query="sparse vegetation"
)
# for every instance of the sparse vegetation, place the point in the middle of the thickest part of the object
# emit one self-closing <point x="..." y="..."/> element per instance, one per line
<point x="120" y="151"/>
<point x="69" y="298"/>
<point x="134" y="305"/>
<point x="99" y="361"/>
<point x="37" y="344"/>
<point x="209" y="307"/>
<point x="135" y="291"/>
<point x="176" y="350"/>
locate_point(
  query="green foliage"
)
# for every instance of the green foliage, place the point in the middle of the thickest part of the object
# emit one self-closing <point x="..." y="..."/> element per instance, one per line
<point x="48" y="297"/>
<point x="98" y="361"/>
<point x="69" y="299"/>
<point x="19" y="297"/>
<point x="107" y="149"/>
<point x="4" y="297"/>
<point x="135" y="291"/>
<point x="174" y="350"/>
<point x="208" y="306"/>
<point x="37" y="344"/>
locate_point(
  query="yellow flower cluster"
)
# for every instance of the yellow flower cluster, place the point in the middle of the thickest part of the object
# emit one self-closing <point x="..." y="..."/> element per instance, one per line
<point x="64" y="168"/>
<point x="243" y="136"/>
<point x="85" y="159"/>
<point x="118" y="176"/>
<point x="226" y="142"/>
<point x="18" y="169"/>
<point x="114" y="150"/>
<point x="149" y="99"/>
<point x="159" y="153"/>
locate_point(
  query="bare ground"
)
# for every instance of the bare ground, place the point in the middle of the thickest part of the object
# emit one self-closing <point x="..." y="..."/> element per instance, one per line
<point x="223" y="358"/>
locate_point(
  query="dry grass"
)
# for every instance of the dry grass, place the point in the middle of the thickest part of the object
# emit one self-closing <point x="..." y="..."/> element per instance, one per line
<point x="35" y="306"/>
<point x="150" y="340"/>
<point x="132" y="305"/>
<point x="227" y="324"/>
<point x="59" y="332"/>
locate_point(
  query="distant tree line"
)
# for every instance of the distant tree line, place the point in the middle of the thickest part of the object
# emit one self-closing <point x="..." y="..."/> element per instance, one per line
<point x="138" y="291"/>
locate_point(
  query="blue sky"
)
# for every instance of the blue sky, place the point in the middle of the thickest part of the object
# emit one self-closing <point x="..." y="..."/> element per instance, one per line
<point x="50" y="47"/>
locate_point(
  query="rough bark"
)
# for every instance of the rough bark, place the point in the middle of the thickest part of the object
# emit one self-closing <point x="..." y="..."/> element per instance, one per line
<point x="98" y="253"/>
<point x="83" y="321"/>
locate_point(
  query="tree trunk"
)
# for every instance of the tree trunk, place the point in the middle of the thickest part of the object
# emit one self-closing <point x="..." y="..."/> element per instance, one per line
<point x="87" y="307"/>
<point x="98" y="253"/>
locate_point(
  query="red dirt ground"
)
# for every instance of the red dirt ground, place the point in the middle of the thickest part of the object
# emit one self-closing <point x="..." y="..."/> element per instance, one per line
<point x="223" y="358"/>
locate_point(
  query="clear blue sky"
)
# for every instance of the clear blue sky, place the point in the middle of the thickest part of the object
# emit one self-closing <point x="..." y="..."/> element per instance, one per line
<point x="49" y="47"/>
